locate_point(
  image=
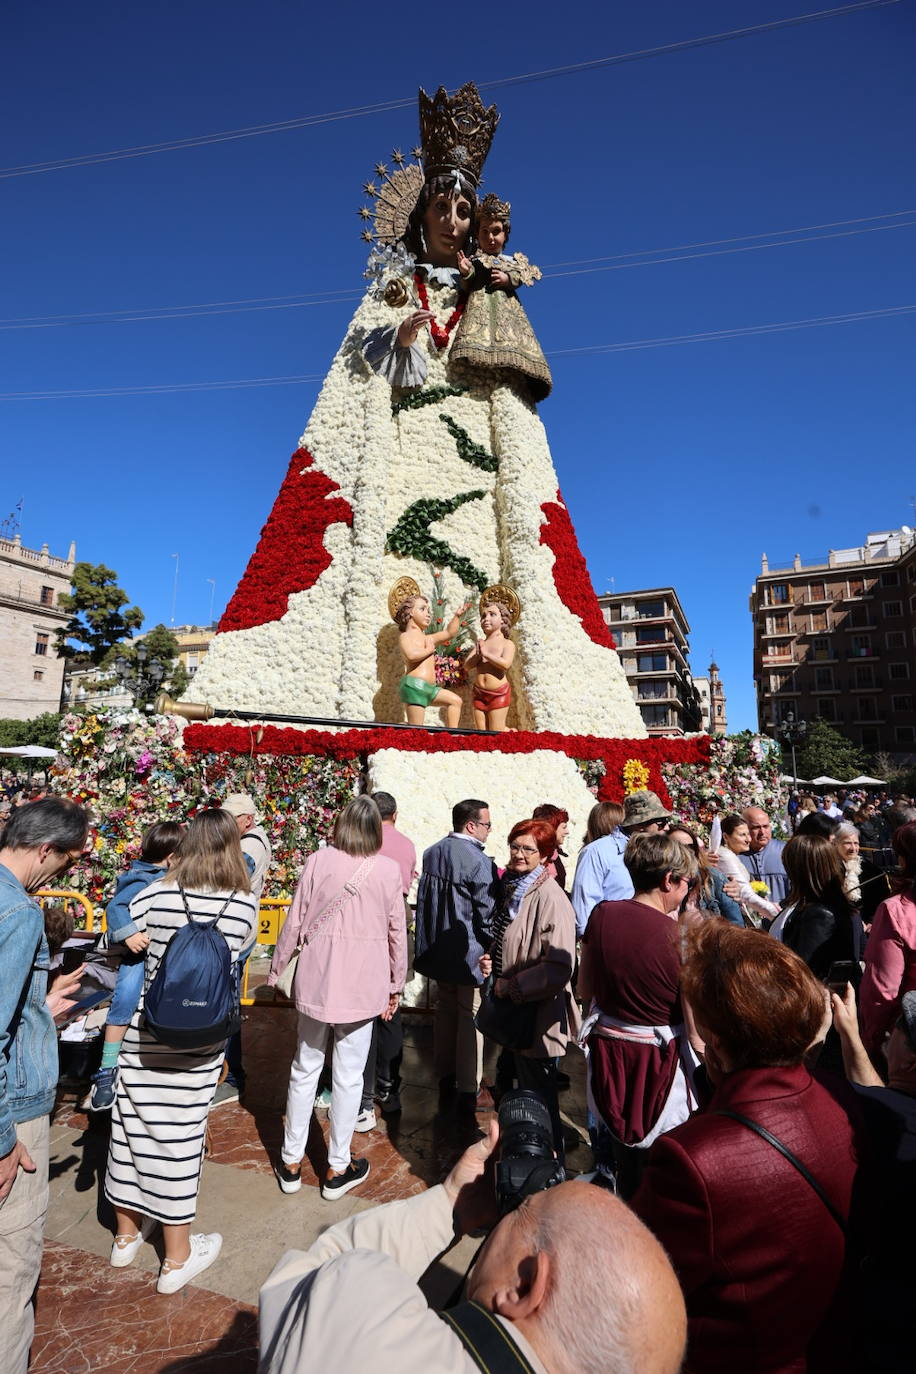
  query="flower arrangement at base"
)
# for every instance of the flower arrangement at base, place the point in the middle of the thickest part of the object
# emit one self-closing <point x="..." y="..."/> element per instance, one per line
<point x="741" y="770"/>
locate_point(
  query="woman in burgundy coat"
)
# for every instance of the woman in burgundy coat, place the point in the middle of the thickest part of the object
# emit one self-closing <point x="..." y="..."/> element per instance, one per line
<point x="758" y="1252"/>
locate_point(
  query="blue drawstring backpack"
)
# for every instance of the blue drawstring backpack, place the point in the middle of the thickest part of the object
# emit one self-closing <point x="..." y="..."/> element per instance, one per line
<point x="193" y="999"/>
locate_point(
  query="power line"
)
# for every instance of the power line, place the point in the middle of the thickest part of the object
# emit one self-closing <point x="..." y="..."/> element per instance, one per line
<point x="615" y="262"/>
<point x="628" y="346"/>
<point x="382" y="107"/>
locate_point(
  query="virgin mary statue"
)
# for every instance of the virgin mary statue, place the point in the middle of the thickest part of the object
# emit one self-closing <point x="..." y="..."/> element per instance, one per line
<point x="424" y="452"/>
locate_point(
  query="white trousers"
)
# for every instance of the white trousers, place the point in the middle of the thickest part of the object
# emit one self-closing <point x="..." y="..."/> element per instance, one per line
<point x="351" y="1050"/>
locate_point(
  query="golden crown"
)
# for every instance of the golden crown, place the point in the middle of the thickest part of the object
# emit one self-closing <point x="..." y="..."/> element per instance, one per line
<point x="456" y="131"/>
<point x="501" y="595"/>
<point x="491" y="207"/>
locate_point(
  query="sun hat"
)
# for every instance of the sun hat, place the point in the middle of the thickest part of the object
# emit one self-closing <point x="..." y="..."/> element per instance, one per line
<point x="240" y="804"/>
<point x="641" y="807"/>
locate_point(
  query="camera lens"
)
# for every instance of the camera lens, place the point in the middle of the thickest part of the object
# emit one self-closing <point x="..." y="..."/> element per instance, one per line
<point x="527" y="1162"/>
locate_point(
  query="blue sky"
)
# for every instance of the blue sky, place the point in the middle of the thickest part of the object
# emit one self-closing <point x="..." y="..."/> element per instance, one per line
<point x="680" y="464"/>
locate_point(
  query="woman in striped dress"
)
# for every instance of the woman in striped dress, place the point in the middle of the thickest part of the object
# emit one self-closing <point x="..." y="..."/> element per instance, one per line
<point x="159" y="1119"/>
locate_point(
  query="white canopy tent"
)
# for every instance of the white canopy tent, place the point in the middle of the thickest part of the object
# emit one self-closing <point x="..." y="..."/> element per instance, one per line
<point x="828" y="782"/>
<point x="31" y="751"/>
<point x="867" y="782"/>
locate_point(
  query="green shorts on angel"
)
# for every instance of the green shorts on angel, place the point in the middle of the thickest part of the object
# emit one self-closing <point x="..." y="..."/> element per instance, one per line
<point x="416" y="691"/>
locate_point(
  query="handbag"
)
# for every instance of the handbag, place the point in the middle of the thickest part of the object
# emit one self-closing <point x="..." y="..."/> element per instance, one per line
<point x="507" y="1023"/>
<point x="284" y="983"/>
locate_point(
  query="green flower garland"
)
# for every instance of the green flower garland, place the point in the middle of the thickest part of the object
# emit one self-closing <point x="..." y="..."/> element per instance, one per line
<point x="472" y="453"/>
<point x="411" y="537"/>
<point x="426" y="398"/>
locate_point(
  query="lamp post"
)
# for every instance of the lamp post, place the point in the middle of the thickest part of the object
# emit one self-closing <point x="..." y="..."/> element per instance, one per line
<point x="792" y="732"/>
<point x="141" y="675"/>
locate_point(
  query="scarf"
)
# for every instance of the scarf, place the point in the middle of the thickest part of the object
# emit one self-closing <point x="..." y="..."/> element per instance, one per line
<point x="515" y="886"/>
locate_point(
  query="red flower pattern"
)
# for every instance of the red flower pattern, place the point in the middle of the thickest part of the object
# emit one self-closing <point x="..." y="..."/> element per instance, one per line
<point x="290" y="555"/>
<point x="570" y="573"/>
<point x="352" y="744"/>
<point x="440" y="335"/>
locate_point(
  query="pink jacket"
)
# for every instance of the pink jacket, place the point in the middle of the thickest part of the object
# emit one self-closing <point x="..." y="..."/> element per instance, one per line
<point x="890" y="968"/>
<point x="350" y="967"/>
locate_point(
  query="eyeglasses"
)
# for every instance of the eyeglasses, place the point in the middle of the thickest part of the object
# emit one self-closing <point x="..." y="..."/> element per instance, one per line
<point x="487" y="825"/>
<point x="522" y="849"/>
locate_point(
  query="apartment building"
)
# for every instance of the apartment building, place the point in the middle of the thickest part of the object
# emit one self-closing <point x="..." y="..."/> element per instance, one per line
<point x="837" y="639"/>
<point x="31" y="582"/>
<point x="652" y="633"/>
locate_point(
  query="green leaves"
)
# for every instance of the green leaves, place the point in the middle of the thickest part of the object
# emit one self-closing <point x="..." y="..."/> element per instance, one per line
<point x="411" y="537"/>
<point x="472" y="453"/>
<point x="97" y="620"/>
<point x="427" y="398"/>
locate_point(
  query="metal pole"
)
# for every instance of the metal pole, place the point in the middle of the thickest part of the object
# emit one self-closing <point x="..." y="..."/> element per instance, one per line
<point x="175" y="586"/>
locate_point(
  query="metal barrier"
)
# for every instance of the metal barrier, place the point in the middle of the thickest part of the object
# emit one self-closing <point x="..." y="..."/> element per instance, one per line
<point x="67" y="895"/>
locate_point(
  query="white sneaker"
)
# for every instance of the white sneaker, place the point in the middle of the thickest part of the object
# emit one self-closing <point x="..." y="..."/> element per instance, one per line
<point x="125" y="1251"/>
<point x="204" y="1250"/>
<point x="366" y="1120"/>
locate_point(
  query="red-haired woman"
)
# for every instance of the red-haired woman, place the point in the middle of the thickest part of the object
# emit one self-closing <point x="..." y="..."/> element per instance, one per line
<point x="559" y="819"/>
<point x="757" y="1245"/>
<point x="531" y="958"/>
<point x="890" y="955"/>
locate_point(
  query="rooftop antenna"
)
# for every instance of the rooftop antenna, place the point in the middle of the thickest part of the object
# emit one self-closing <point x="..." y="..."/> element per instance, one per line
<point x="12" y="525"/>
<point x="212" y="582"/>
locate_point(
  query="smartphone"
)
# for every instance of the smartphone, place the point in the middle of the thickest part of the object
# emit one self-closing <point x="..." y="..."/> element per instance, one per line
<point x="841" y="972"/>
<point x="71" y="958"/>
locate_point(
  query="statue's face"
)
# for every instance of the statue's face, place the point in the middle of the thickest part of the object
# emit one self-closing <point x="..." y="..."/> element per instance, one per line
<point x="492" y="235"/>
<point x="446" y="226"/>
<point x="490" y="620"/>
<point x="420" y="615"/>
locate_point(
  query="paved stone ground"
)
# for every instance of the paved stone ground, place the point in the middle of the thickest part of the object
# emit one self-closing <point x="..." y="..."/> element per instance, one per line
<point x="91" y="1317"/>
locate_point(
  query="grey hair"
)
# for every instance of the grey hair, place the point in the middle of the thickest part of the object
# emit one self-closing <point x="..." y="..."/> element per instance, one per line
<point x="358" y="828"/>
<point x="593" y="1310"/>
<point x="53" y="820"/>
<point x="846" y="831"/>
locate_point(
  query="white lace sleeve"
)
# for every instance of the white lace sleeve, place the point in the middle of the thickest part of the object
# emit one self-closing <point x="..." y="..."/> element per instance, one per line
<point x="399" y="366"/>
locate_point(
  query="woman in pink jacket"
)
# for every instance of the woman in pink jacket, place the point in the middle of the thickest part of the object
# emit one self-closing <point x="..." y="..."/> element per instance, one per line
<point x="890" y="955"/>
<point x="347" y="921"/>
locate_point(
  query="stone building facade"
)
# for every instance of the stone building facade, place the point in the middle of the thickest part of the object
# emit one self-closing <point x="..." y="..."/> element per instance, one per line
<point x="31" y="583"/>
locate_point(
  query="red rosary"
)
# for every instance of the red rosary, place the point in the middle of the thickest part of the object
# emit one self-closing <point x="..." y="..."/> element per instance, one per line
<point x="440" y="335"/>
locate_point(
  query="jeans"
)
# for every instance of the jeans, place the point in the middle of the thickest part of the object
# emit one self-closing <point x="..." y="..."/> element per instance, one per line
<point x="126" y="996"/>
<point x="236" y="1074"/>
<point x="351" y="1049"/>
<point x="383" y="1067"/>
<point x="22" y="1224"/>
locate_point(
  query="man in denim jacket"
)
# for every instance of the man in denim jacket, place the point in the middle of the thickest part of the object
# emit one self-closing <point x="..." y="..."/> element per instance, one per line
<point x="41" y="841"/>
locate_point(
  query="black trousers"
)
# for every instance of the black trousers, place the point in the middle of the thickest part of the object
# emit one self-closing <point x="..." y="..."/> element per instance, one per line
<point x="383" y="1066"/>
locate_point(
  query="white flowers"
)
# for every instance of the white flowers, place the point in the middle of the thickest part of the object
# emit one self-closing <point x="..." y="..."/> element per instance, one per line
<point x="386" y="263"/>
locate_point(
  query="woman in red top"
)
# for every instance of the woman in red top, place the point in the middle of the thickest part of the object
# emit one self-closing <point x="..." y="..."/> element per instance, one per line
<point x="759" y="1252"/>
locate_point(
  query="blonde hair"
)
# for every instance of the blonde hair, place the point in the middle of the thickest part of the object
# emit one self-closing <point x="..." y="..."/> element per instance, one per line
<point x="358" y="828"/>
<point x="209" y="857"/>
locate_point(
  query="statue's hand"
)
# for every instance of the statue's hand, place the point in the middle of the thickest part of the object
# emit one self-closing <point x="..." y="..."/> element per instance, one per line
<point x="499" y="278"/>
<point x="464" y="264"/>
<point x="410" y="328"/>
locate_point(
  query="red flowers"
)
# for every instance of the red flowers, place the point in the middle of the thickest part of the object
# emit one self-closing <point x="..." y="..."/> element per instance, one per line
<point x="353" y="744"/>
<point x="290" y="556"/>
<point x="570" y="574"/>
<point x="440" y="336"/>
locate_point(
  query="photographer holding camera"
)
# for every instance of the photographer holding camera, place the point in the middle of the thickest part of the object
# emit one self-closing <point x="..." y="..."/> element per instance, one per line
<point x="567" y="1282"/>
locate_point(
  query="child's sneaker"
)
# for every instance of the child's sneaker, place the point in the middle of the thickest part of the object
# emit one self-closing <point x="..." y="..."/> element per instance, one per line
<point x="204" y="1250"/>
<point x="335" y="1185"/>
<point x="323" y="1100"/>
<point x="104" y="1090"/>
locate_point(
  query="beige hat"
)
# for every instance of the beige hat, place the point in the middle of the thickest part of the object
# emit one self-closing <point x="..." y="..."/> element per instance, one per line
<point x="641" y="807"/>
<point x="240" y="804"/>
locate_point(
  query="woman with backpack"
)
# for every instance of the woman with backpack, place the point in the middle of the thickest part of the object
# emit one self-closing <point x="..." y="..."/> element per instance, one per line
<point x="198" y="919"/>
<point x="347" y="934"/>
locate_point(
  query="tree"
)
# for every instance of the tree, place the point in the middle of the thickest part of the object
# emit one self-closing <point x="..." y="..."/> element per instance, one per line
<point x="152" y="664"/>
<point x="43" y="730"/>
<point x="97" y="618"/>
<point x="826" y="752"/>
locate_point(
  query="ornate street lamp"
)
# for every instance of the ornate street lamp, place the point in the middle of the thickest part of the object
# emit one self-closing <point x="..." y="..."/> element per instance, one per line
<point x="141" y="676"/>
<point x="792" y="732"/>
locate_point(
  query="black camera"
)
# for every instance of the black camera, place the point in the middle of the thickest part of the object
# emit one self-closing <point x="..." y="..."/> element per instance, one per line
<point x="527" y="1163"/>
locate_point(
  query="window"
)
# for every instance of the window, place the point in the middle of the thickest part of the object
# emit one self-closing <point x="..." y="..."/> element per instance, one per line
<point x="781" y="709"/>
<point x="778" y="624"/>
<point x="899" y="672"/>
<point x="651" y="634"/>
<point x="823" y="679"/>
<point x="895" y="639"/>
<point x="861" y="646"/>
<point x="779" y="594"/>
<point x="891" y="578"/>
<point x="818" y="621"/>
<point x="653" y="690"/>
<point x="820" y="648"/>
<point x="902" y="703"/>
<point x="893" y="608"/>
<point x="41" y="643"/>
<point x="650" y="610"/>
<point x="906" y="734"/>
<point x="655" y="715"/>
<point x="826" y="708"/>
<point x="865" y="675"/>
<point x="651" y="663"/>
<point x="871" y="739"/>
<point x="47" y="596"/>
<point x="38" y="675"/>
<point x="817" y="591"/>
<point x="868" y="708"/>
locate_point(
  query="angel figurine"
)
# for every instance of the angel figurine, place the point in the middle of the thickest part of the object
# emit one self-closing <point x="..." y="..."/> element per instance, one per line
<point x="411" y="612"/>
<point x="492" y="656"/>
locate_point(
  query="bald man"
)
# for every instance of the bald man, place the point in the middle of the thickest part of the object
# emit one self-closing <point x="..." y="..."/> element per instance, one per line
<point x="763" y="861"/>
<point x="572" y="1282"/>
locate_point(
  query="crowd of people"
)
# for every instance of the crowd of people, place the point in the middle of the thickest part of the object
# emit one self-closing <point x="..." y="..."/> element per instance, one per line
<point x="746" y="1008"/>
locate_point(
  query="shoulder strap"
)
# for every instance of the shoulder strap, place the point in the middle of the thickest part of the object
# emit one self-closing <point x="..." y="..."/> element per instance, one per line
<point x="793" y="1160"/>
<point x="210" y="920"/>
<point x="349" y="889"/>
<point x="486" y="1340"/>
